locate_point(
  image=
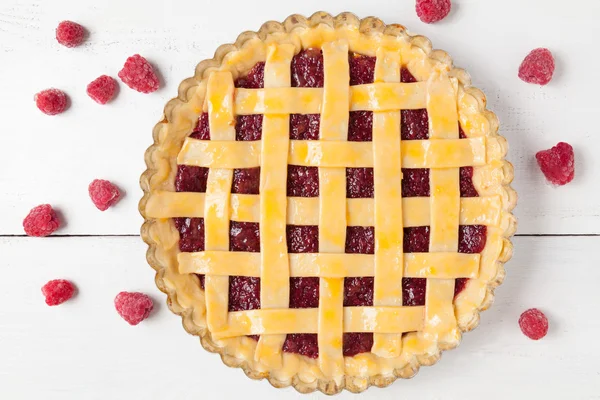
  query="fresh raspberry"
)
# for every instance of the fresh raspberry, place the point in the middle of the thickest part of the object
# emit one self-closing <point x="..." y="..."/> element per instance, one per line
<point x="41" y="221"/>
<point x="433" y="10"/>
<point x="58" y="291"/>
<point x="51" y="101"/>
<point x="534" y="324"/>
<point x="138" y="74"/>
<point x="70" y="34"/>
<point x="103" y="193"/>
<point x="102" y="89"/>
<point x="133" y="307"/>
<point x="537" y="67"/>
<point x="557" y="163"/>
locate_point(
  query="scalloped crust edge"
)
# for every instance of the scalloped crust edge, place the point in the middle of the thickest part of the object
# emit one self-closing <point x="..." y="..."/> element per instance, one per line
<point x="366" y="25"/>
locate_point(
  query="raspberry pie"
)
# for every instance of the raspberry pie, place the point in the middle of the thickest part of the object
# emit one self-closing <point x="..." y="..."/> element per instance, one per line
<point x="327" y="204"/>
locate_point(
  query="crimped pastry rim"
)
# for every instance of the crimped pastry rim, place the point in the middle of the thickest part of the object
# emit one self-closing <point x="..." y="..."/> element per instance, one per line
<point x="367" y="25"/>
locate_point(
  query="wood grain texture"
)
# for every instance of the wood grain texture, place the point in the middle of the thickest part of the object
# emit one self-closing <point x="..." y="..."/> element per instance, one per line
<point x="53" y="159"/>
<point x="83" y="349"/>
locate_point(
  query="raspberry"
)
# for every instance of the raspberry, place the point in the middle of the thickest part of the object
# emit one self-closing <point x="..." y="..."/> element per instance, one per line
<point x="133" y="307"/>
<point x="103" y="193"/>
<point x="58" y="291"/>
<point x="537" y="67"/>
<point x="557" y="163"/>
<point x="433" y="10"/>
<point x="102" y="89"/>
<point x="41" y="221"/>
<point x="51" y="101"/>
<point x="70" y="34"/>
<point x="534" y="324"/>
<point x="138" y="74"/>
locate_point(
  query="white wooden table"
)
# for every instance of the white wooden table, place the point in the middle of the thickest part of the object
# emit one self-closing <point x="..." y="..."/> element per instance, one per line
<point x="83" y="350"/>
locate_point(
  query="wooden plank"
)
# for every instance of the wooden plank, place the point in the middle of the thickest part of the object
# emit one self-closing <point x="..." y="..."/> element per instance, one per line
<point x="53" y="159"/>
<point x="83" y="349"/>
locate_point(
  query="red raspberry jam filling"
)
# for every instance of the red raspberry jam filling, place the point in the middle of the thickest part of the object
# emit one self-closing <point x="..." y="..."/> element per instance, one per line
<point x="244" y="292"/>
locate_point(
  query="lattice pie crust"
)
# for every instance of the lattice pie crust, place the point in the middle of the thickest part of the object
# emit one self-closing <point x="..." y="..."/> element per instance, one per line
<point x="404" y="337"/>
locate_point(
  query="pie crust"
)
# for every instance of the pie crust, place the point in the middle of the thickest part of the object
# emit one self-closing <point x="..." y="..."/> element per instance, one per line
<point x="404" y="337"/>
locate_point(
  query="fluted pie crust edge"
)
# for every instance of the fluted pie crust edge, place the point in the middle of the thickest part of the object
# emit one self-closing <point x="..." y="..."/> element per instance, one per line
<point x="185" y="297"/>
